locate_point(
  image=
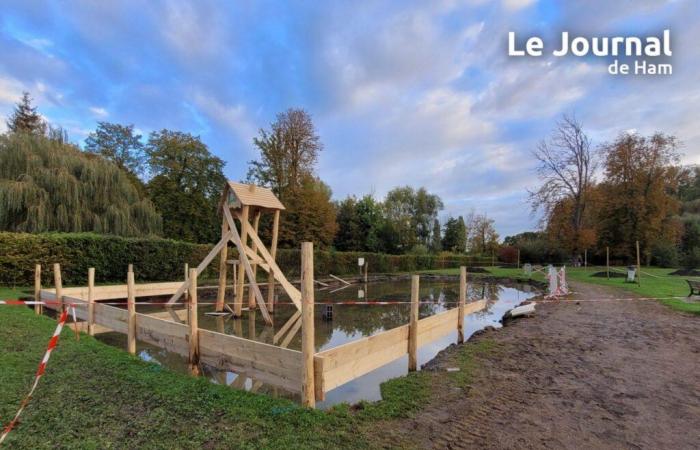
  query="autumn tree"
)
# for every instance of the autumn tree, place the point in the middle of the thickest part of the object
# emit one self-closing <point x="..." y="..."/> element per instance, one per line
<point x="310" y="215"/>
<point x="566" y="166"/>
<point x="483" y="238"/>
<point x="186" y="185"/>
<point x="25" y="118"/>
<point x="288" y="153"/>
<point x="641" y="185"/>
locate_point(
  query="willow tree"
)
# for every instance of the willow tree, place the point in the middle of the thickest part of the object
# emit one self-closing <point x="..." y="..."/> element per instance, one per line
<point x="48" y="185"/>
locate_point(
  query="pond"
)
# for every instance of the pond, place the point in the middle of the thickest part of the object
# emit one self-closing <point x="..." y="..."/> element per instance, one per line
<point x="349" y="322"/>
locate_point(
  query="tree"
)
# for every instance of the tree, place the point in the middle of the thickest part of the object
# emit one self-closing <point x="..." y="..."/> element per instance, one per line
<point x="25" y="118"/>
<point x="565" y="166"/>
<point x="310" y="215"/>
<point x="288" y="153"/>
<point x="411" y="214"/>
<point x="48" y="185"/>
<point x="119" y="144"/>
<point x="359" y="225"/>
<point x="455" y="238"/>
<point x="186" y="185"/>
<point x="641" y="186"/>
<point x="436" y="238"/>
<point x="483" y="238"/>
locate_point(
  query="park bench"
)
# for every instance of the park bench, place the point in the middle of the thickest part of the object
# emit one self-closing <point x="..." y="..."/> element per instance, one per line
<point x="694" y="286"/>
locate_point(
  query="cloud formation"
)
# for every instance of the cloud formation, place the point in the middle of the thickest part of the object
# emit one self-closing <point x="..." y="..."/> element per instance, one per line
<point x="409" y="92"/>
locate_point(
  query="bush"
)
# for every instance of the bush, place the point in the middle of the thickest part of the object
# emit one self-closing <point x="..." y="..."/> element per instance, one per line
<point x="508" y="254"/>
<point x="157" y="259"/>
<point x="664" y="255"/>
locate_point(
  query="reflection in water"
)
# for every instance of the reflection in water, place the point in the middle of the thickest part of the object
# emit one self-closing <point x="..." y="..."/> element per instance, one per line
<point x="349" y="322"/>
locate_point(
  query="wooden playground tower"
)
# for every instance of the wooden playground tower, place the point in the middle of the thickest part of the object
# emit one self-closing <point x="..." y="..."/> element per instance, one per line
<point x="240" y="202"/>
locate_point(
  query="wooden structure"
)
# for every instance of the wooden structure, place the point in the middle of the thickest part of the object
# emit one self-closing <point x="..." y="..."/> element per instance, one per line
<point x="238" y="203"/>
<point x="307" y="372"/>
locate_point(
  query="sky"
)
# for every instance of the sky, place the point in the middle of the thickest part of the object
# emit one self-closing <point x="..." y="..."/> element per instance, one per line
<point x="401" y="92"/>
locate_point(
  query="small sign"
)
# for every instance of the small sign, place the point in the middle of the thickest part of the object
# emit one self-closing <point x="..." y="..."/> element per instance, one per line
<point x="360" y="262"/>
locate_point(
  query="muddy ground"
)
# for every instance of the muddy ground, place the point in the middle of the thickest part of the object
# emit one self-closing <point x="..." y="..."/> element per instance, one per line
<point x="592" y="374"/>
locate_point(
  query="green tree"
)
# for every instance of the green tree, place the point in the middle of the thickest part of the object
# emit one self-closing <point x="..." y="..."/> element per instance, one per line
<point x="436" y="238"/>
<point x="48" y="185"/>
<point x="119" y="144"/>
<point x="455" y="238"/>
<point x="25" y="118"/>
<point x="359" y="225"/>
<point x="410" y="214"/>
<point x="186" y="185"/>
<point x="310" y="215"/>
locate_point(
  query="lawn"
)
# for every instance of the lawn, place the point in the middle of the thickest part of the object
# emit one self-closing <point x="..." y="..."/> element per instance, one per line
<point x="671" y="290"/>
<point x="97" y="396"/>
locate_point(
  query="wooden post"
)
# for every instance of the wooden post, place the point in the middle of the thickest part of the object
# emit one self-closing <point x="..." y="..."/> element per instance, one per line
<point x="91" y="302"/>
<point x="37" y="288"/>
<point x="607" y="261"/>
<point x="131" y="307"/>
<point x="251" y="292"/>
<point x="518" y="259"/>
<point x="238" y="303"/>
<point x="413" y="325"/>
<point x="639" y="268"/>
<point x="131" y="268"/>
<point x="585" y="259"/>
<point x="223" y="257"/>
<point x="308" y="390"/>
<point x="462" y="300"/>
<point x="194" y="328"/>
<point x="58" y="284"/>
<point x="366" y="264"/>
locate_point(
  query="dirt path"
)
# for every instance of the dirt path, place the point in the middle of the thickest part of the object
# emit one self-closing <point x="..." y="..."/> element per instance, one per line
<point x="589" y="375"/>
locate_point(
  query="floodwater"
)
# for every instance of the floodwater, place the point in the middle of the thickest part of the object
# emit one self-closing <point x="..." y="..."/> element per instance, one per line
<point x="349" y="322"/>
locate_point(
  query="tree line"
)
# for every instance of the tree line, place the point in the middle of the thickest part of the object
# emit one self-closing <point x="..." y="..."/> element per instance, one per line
<point x="615" y="194"/>
<point x="169" y="184"/>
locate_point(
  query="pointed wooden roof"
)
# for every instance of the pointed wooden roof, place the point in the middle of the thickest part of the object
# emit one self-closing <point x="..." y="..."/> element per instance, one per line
<point x="252" y="195"/>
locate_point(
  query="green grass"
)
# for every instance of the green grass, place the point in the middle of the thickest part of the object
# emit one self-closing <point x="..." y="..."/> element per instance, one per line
<point x="655" y="283"/>
<point x="97" y="396"/>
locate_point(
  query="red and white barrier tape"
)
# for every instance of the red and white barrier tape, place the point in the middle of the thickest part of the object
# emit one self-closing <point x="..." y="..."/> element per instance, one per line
<point x="38" y="375"/>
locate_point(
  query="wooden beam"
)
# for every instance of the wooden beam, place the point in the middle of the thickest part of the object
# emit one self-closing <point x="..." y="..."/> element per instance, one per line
<point x="256" y="225"/>
<point x="339" y="279"/>
<point x="91" y="302"/>
<point x="131" y="307"/>
<point x="58" y="284"/>
<point x="247" y="268"/>
<point x="203" y="265"/>
<point x="292" y="320"/>
<point x="223" y="256"/>
<point x="238" y="303"/>
<point x="193" y="357"/>
<point x="460" y="307"/>
<point x="308" y="391"/>
<point x="37" y="288"/>
<point x="273" y="255"/>
<point x="293" y="292"/>
<point x="413" y="325"/>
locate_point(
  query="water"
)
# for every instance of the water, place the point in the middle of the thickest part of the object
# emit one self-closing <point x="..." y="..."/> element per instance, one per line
<point x="350" y="322"/>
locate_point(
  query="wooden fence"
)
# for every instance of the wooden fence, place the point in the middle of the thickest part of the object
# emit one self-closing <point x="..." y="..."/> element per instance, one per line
<point x="308" y="372"/>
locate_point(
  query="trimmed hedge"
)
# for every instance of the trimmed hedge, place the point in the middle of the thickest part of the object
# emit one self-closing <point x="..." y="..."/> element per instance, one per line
<point x="157" y="259"/>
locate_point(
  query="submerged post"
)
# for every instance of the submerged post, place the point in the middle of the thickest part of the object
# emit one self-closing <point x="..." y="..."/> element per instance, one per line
<point x="462" y="299"/>
<point x="308" y="396"/>
<point x="37" y="288"/>
<point x="131" y="317"/>
<point x="273" y="253"/>
<point x="91" y="302"/>
<point x="366" y="264"/>
<point x="413" y="325"/>
<point x="194" y="325"/>
<point x="58" y="284"/>
<point x="223" y="266"/>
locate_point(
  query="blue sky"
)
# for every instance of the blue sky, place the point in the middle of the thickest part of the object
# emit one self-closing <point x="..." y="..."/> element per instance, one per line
<point x="404" y="92"/>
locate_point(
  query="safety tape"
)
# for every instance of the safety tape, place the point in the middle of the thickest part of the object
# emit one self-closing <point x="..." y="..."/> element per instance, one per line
<point x="39" y="373"/>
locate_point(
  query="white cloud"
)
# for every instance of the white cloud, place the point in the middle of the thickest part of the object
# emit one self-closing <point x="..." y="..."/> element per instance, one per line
<point x="99" y="112"/>
<point x="515" y="5"/>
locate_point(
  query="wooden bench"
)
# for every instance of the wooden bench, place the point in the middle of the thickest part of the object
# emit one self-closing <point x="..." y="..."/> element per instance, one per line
<point x="694" y="286"/>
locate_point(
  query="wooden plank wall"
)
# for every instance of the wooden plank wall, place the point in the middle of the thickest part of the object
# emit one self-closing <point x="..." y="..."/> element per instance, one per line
<point x="346" y="362"/>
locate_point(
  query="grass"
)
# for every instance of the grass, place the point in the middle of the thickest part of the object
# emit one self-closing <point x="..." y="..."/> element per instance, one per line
<point x="655" y="283"/>
<point x="97" y="396"/>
